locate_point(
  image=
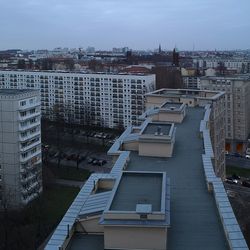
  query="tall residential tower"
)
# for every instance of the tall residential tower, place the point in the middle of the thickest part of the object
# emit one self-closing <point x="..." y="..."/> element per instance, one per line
<point x="20" y="147"/>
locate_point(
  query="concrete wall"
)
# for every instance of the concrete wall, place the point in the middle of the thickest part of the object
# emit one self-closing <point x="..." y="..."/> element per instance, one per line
<point x="90" y="225"/>
<point x="168" y="117"/>
<point x="155" y="149"/>
<point x="135" y="238"/>
<point x="189" y="101"/>
<point x="131" y="146"/>
<point x="154" y="101"/>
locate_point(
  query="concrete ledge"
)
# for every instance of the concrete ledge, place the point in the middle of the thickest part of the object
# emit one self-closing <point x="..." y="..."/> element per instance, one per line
<point x="231" y="227"/>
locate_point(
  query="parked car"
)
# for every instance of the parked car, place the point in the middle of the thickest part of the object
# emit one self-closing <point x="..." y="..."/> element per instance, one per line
<point x="101" y="162"/>
<point x="75" y="157"/>
<point x="247" y="156"/>
<point x="90" y="160"/>
<point x="236" y="155"/>
<point x="95" y="162"/>
<point x="92" y="134"/>
<point x="231" y="180"/>
<point x="82" y="158"/>
<point x="57" y="154"/>
<point x="70" y="157"/>
<point x="235" y="177"/>
<point x="246" y="183"/>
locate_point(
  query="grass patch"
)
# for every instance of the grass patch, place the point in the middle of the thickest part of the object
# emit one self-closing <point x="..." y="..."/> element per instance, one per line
<point x="230" y="170"/>
<point x="54" y="202"/>
<point x="28" y="228"/>
<point x="69" y="173"/>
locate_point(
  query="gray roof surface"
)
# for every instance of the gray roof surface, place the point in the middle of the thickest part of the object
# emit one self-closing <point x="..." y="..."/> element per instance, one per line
<point x="152" y="128"/>
<point x="86" y="242"/>
<point x="195" y="223"/>
<point x="132" y="191"/>
<point x="95" y="203"/>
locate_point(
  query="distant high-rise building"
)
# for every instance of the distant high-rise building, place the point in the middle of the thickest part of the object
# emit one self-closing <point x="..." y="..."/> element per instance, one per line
<point x="237" y="118"/>
<point x="20" y="147"/>
<point x="109" y="100"/>
<point x="175" y="57"/>
<point x="191" y="78"/>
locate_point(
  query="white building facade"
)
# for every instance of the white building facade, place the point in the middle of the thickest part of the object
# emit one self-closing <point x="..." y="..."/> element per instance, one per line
<point x="109" y="100"/>
<point x="20" y="147"/>
<point x="241" y="65"/>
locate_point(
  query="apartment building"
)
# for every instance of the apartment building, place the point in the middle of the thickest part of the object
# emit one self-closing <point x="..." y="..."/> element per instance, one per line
<point x="129" y="208"/>
<point x="110" y="100"/>
<point x="240" y="65"/>
<point x="237" y="95"/>
<point x="190" y="78"/>
<point x="20" y="147"/>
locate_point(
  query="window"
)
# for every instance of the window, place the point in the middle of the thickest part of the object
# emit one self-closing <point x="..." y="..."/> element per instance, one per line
<point x="23" y="134"/>
<point x="23" y="113"/>
<point x="22" y="103"/>
<point x="33" y="151"/>
<point x="24" y="155"/>
<point x="32" y="120"/>
<point x="32" y="111"/>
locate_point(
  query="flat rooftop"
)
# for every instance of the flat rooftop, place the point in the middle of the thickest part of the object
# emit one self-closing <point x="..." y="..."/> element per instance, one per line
<point x="169" y="105"/>
<point x="194" y="220"/>
<point x="132" y="191"/>
<point x="20" y="71"/>
<point x="12" y="92"/>
<point x="153" y="128"/>
<point x="195" y="223"/>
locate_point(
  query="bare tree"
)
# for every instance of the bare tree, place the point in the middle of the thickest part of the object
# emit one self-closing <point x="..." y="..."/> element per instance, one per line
<point x="7" y="205"/>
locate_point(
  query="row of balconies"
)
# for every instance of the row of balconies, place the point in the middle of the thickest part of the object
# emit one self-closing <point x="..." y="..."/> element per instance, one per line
<point x="30" y="155"/>
<point x="32" y="164"/>
<point x="28" y="176"/>
<point x="27" y="145"/>
<point x="29" y="116"/>
<point x="31" y="188"/>
<point x="30" y="125"/>
<point x="26" y="199"/>
<point x="28" y="135"/>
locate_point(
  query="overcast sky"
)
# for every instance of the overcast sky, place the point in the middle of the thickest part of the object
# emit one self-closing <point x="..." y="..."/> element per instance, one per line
<point x="138" y="24"/>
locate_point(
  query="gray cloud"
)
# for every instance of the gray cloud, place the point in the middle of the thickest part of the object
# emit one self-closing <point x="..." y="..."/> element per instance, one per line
<point x="210" y="24"/>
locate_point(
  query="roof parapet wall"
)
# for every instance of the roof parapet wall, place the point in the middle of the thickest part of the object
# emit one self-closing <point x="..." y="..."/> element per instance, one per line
<point x="230" y="225"/>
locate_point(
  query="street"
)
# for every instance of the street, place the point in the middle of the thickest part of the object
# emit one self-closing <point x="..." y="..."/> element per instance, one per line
<point x="237" y="161"/>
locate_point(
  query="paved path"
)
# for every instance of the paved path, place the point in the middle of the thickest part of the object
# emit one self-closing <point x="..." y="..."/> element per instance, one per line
<point x="238" y="162"/>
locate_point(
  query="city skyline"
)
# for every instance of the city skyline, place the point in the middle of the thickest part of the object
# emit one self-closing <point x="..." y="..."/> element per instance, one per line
<point x="188" y="25"/>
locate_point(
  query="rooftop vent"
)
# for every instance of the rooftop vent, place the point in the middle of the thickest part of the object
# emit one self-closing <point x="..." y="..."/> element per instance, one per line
<point x="143" y="209"/>
<point x="172" y="108"/>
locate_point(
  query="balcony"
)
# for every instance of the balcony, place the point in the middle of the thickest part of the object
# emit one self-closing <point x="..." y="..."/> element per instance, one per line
<point x="29" y="177"/>
<point x="29" y="156"/>
<point x="29" y="126"/>
<point x="29" y="136"/>
<point x="32" y="189"/>
<point x="29" y="106"/>
<point x="28" y="116"/>
<point x="32" y="165"/>
<point x="29" y="146"/>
